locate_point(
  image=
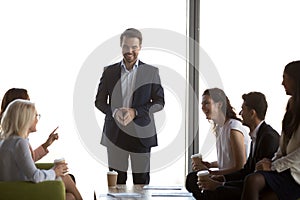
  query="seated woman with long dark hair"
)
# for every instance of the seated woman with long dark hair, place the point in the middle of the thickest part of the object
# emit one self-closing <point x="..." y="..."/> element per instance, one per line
<point x="279" y="178"/>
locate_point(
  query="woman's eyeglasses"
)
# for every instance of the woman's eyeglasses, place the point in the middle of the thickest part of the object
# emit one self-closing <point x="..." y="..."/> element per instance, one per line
<point x="38" y="116"/>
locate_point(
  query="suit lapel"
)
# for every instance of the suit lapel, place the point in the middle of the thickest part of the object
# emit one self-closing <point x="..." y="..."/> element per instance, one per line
<point x="138" y="81"/>
<point x="117" y="90"/>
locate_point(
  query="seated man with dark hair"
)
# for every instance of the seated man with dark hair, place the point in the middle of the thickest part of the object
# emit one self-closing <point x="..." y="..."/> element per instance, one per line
<point x="264" y="143"/>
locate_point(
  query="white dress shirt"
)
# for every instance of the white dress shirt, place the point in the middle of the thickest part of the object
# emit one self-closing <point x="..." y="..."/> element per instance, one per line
<point x="128" y="78"/>
<point x="253" y="136"/>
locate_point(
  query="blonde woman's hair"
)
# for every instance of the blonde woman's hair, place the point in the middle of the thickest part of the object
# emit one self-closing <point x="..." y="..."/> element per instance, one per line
<point x="17" y="118"/>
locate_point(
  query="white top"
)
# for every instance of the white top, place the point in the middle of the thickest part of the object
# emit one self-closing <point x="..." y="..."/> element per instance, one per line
<point x="224" y="151"/>
<point x="16" y="163"/>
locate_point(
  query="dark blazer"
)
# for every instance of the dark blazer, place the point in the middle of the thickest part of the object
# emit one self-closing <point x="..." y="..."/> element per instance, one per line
<point x="267" y="143"/>
<point x="148" y="98"/>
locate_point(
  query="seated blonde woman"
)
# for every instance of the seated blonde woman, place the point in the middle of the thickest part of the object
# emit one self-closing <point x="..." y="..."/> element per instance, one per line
<point x="21" y="93"/>
<point x="16" y="163"/>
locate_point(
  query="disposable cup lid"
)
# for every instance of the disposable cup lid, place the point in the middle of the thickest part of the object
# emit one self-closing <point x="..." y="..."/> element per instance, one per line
<point x="203" y="173"/>
<point x="112" y="172"/>
<point x="198" y="155"/>
<point x="59" y="160"/>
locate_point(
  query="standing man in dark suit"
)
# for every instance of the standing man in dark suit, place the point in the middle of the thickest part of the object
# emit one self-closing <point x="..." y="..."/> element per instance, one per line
<point x="129" y="93"/>
<point x="265" y="141"/>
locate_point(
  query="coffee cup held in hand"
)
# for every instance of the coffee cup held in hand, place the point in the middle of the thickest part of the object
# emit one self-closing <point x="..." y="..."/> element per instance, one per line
<point x="197" y="162"/>
<point x="197" y="158"/>
<point x="59" y="161"/>
<point x="112" y="178"/>
<point x="203" y="175"/>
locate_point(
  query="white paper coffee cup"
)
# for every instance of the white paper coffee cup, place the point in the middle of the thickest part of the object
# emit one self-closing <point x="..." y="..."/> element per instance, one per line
<point x="197" y="161"/>
<point x="197" y="158"/>
<point x="203" y="175"/>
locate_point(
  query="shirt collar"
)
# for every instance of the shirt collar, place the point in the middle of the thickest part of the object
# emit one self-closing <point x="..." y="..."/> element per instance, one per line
<point x="135" y="66"/>
<point x="253" y="135"/>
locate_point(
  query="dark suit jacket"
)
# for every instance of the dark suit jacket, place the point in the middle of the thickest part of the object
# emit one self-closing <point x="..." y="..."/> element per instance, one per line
<point x="267" y="143"/>
<point x="148" y="98"/>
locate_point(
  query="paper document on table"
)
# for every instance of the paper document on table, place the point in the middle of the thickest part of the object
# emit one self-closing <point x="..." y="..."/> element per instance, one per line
<point x="172" y="194"/>
<point x="124" y="194"/>
<point x="151" y="187"/>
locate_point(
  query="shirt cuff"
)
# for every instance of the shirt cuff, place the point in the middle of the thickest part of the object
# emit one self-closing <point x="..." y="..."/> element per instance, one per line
<point x="114" y="113"/>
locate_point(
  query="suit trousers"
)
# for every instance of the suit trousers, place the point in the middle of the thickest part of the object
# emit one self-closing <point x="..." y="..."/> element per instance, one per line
<point x="127" y="148"/>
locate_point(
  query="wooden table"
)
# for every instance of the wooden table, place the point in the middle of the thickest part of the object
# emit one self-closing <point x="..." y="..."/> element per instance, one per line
<point x="145" y="194"/>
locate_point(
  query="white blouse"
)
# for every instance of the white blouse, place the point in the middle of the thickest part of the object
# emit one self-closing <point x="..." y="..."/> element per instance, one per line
<point x="224" y="150"/>
<point x="292" y="159"/>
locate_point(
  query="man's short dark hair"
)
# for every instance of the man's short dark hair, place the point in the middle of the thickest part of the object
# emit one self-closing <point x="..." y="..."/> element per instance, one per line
<point x="131" y="33"/>
<point x="256" y="101"/>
